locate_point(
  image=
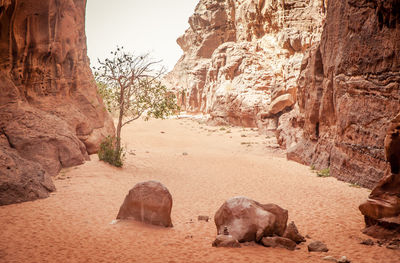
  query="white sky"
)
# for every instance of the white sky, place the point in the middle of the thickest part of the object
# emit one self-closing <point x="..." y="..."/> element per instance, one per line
<point x="140" y="26"/>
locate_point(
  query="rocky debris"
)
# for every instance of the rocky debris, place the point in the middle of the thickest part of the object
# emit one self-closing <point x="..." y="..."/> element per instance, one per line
<point x="343" y="259"/>
<point x="50" y="111"/>
<point x="203" y="218"/>
<point x="317" y="246"/>
<point x="329" y="258"/>
<point x="20" y="179"/>
<point x="348" y="94"/>
<point x="278" y="242"/>
<point x="248" y="220"/>
<point x="292" y="233"/>
<point x="242" y="58"/>
<point x="148" y="202"/>
<point x="367" y="242"/>
<point x="225" y="241"/>
<point x="394" y="244"/>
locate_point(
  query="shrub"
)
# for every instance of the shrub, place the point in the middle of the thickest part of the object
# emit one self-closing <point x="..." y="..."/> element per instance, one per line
<point x="323" y="173"/>
<point x="108" y="152"/>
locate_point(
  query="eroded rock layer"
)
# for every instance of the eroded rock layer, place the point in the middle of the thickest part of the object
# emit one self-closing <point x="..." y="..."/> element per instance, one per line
<point x="242" y="58"/>
<point x="382" y="207"/>
<point x="349" y="92"/>
<point x="50" y="113"/>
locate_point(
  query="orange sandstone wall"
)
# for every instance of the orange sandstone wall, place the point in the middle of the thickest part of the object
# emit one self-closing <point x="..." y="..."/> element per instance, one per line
<point x="50" y="113"/>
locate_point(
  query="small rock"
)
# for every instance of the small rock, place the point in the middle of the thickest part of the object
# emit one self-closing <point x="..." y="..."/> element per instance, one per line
<point x="292" y="233"/>
<point x="162" y="131"/>
<point x="367" y="242"/>
<point x="330" y="258"/>
<point x="188" y="236"/>
<point x="226" y="232"/>
<point x="249" y="244"/>
<point x="114" y="222"/>
<point x="203" y="218"/>
<point x="225" y="241"/>
<point x="317" y="246"/>
<point x="185" y="153"/>
<point x="394" y="244"/>
<point x="308" y="237"/>
<point x="391" y="246"/>
<point x="278" y="242"/>
<point x="344" y="259"/>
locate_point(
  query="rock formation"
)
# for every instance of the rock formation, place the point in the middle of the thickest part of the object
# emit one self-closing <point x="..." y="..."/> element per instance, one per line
<point x="382" y="207"/>
<point x="243" y="64"/>
<point x="348" y="93"/>
<point x="50" y="113"/>
<point x="248" y="220"/>
<point x="242" y="58"/>
<point x="148" y="202"/>
<point x="241" y="219"/>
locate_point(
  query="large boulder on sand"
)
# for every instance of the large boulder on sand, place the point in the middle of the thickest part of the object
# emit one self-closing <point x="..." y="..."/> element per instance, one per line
<point x="248" y="220"/>
<point x="148" y="202"/>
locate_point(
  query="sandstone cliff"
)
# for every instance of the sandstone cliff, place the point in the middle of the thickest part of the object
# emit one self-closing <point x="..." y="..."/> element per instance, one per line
<point x="50" y="113"/>
<point x="349" y="93"/>
<point x="242" y="58"/>
<point x="329" y="98"/>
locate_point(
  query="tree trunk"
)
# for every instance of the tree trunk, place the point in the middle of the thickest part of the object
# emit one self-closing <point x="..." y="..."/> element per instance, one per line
<point x="119" y="127"/>
<point x="120" y="117"/>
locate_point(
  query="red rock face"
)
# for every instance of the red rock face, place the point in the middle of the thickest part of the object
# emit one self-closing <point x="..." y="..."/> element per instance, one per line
<point x="383" y="204"/>
<point x="349" y="92"/>
<point x="50" y="111"/>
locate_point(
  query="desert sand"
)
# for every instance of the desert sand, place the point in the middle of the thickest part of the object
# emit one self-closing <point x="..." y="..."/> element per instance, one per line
<point x="202" y="166"/>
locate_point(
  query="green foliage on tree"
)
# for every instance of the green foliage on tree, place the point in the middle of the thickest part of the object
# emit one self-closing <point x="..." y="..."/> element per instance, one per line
<point x="131" y="86"/>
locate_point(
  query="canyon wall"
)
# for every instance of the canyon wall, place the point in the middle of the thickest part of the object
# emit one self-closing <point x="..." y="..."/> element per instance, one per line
<point x="323" y="76"/>
<point x="348" y="93"/>
<point x="242" y="58"/>
<point x="50" y="113"/>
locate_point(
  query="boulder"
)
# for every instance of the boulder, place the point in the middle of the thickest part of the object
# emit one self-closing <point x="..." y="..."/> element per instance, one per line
<point x="149" y="202"/>
<point x="317" y="246"/>
<point x="248" y="220"/>
<point x="278" y="242"/>
<point x="280" y="104"/>
<point x="292" y="233"/>
<point x="225" y="241"/>
<point x="20" y="179"/>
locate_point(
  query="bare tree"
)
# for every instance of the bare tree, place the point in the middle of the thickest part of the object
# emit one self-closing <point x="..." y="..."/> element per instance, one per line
<point x="133" y="88"/>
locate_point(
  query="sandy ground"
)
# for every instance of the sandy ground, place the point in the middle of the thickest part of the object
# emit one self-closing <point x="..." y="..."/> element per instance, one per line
<point x="73" y="224"/>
